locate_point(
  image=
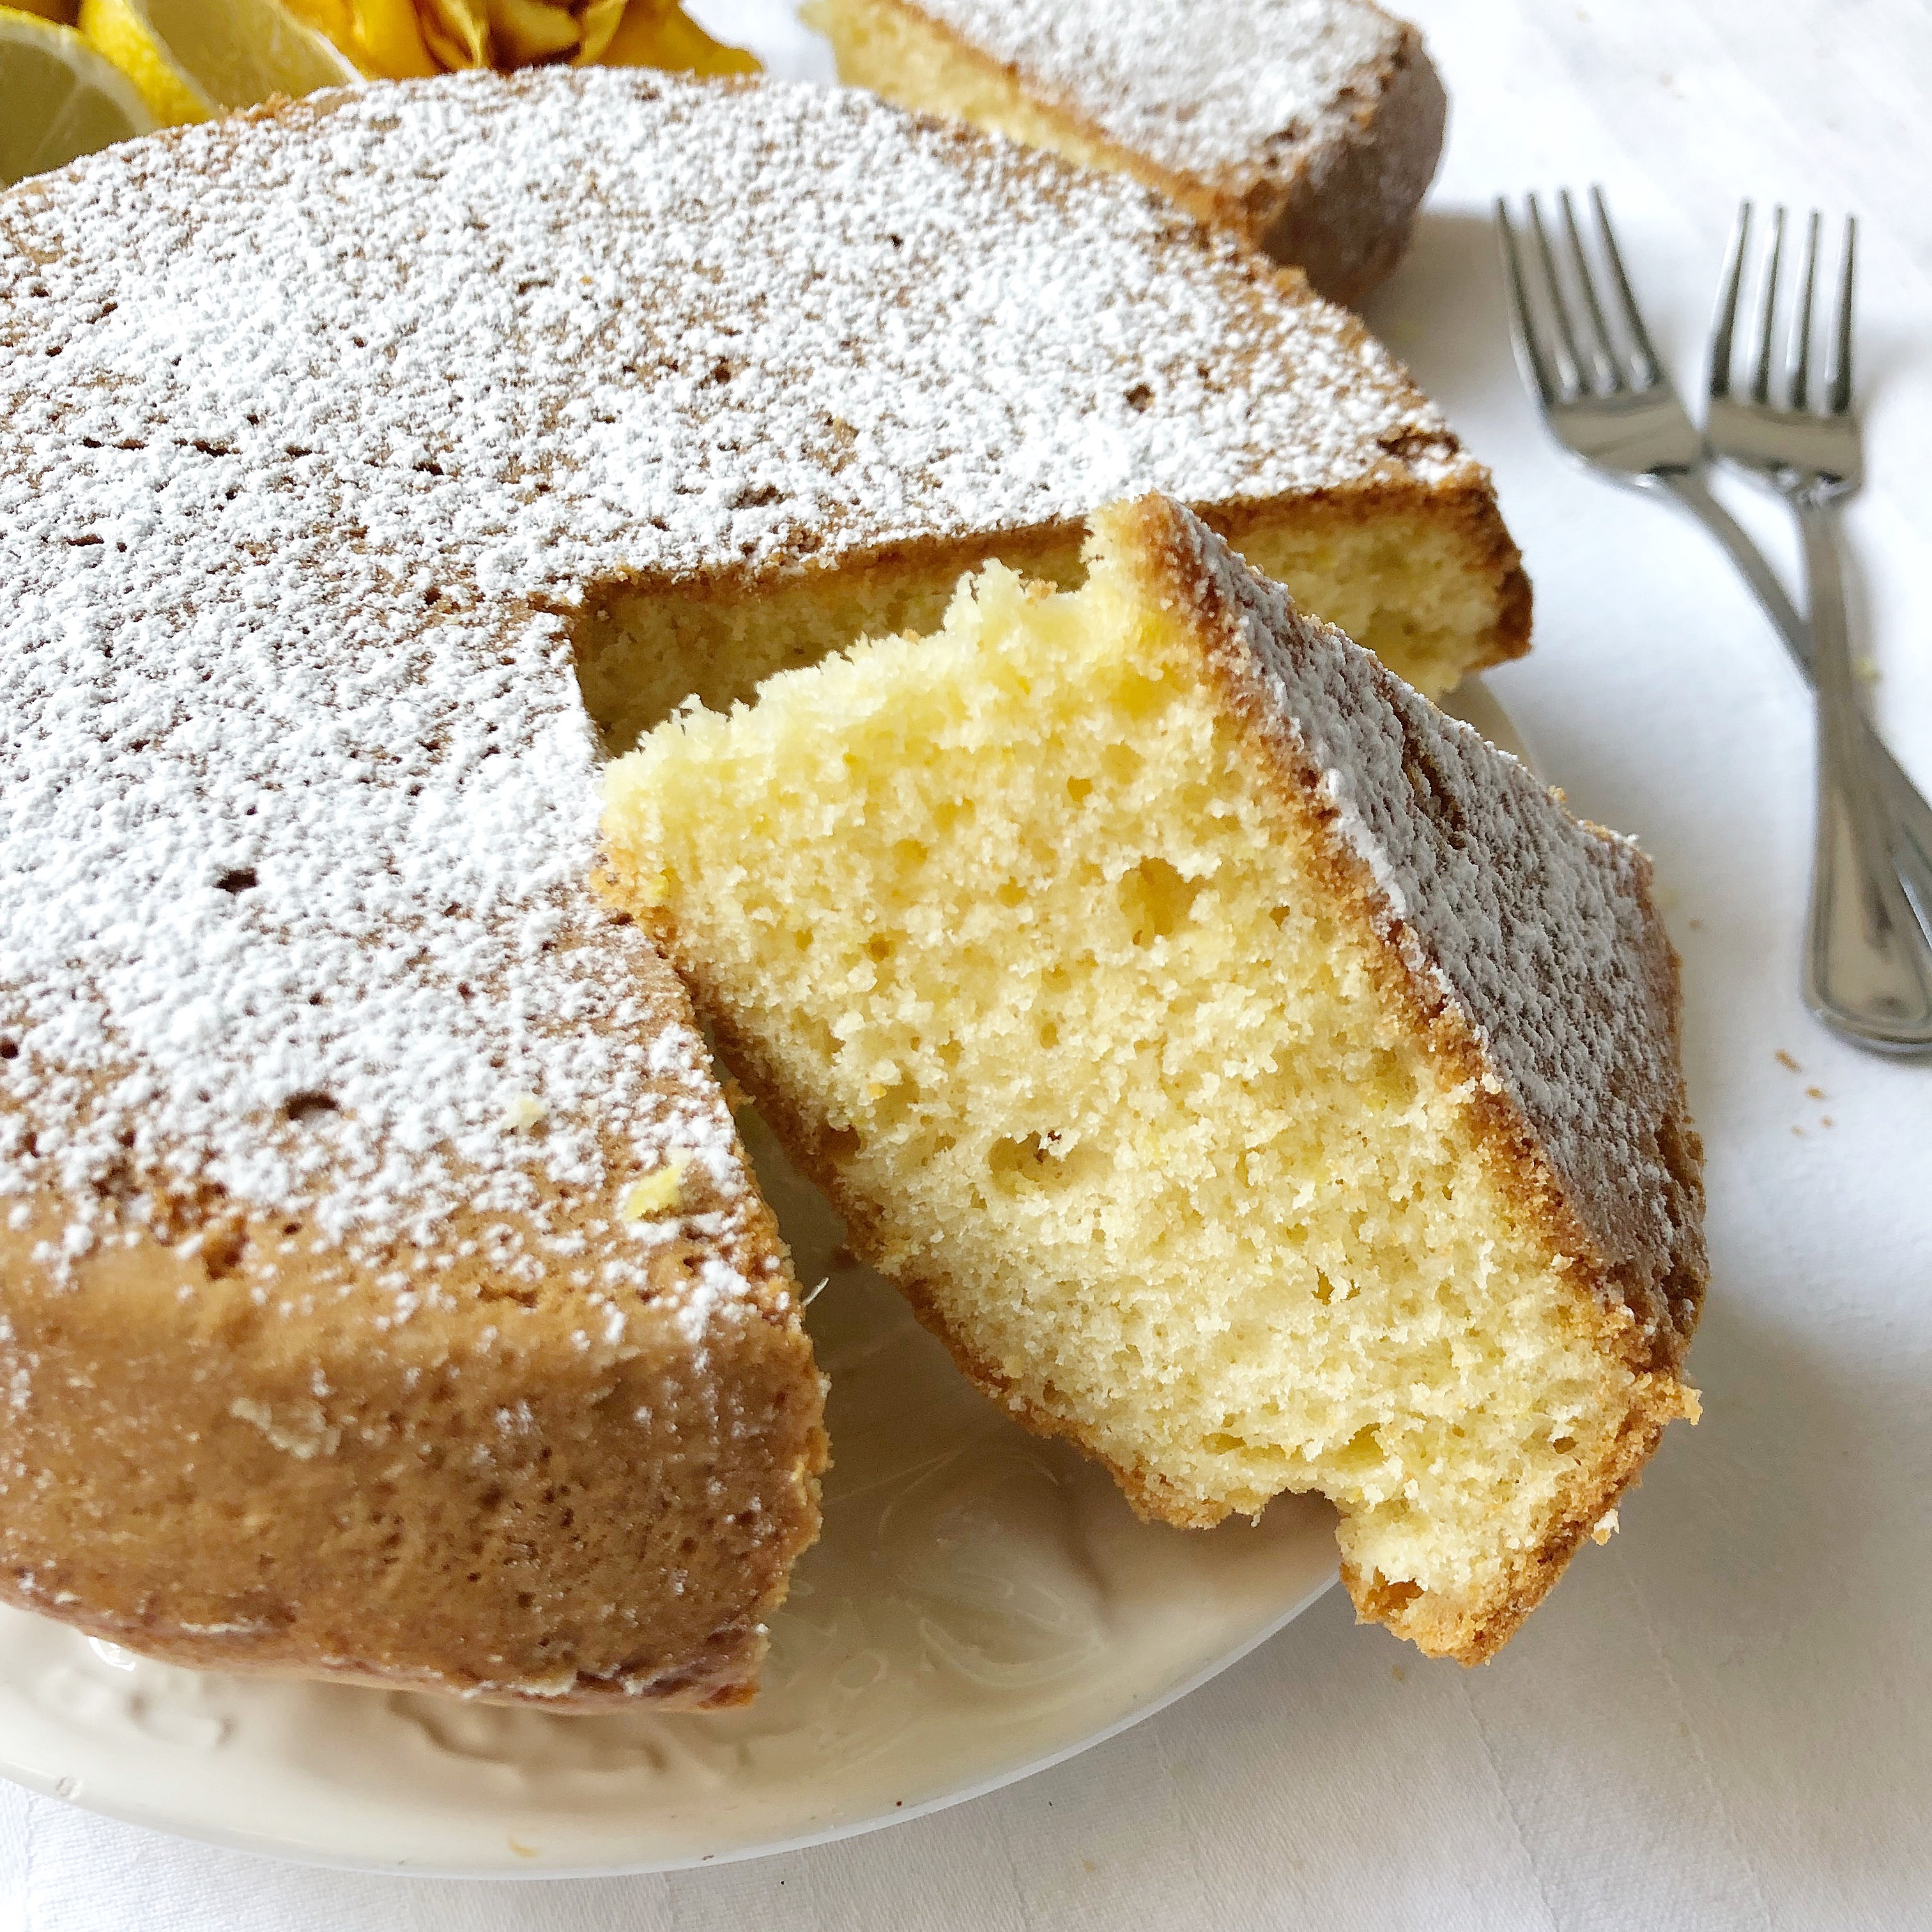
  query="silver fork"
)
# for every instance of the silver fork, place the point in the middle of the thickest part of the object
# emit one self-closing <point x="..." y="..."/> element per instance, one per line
<point x="1868" y="960"/>
<point x="1617" y="412"/>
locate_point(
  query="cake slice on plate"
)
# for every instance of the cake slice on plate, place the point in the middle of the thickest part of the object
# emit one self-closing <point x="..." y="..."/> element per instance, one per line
<point x="1250" y="1072"/>
<point x="1311" y="127"/>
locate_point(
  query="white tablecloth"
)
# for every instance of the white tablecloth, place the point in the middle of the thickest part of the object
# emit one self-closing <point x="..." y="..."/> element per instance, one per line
<point x="1724" y="1718"/>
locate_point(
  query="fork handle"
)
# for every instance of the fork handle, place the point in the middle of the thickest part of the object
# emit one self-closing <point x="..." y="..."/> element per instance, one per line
<point x="1867" y="961"/>
<point x="1910" y="813"/>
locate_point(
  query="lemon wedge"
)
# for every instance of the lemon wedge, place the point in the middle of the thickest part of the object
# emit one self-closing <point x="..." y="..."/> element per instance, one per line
<point x="58" y="98"/>
<point x="193" y="59"/>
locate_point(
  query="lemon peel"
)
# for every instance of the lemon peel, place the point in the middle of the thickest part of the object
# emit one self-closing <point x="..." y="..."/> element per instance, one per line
<point x="657" y="1194"/>
<point x="193" y="59"/>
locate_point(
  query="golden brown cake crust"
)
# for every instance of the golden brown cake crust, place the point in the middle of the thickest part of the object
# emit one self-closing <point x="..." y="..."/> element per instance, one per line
<point x="221" y="1451"/>
<point x="617" y="1544"/>
<point x="1344" y="215"/>
<point x="1331" y="187"/>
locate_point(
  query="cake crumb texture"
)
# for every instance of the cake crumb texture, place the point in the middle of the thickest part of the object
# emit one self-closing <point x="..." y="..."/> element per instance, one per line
<point x="1250" y="1072"/>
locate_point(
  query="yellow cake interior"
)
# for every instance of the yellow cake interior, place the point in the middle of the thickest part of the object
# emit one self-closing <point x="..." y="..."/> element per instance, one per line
<point x="1408" y="582"/>
<point x="1009" y="924"/>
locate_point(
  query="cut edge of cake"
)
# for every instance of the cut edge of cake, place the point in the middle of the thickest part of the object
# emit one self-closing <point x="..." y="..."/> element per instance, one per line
<point x="1423" y="573"/>
<point x="1629" y="1274"/>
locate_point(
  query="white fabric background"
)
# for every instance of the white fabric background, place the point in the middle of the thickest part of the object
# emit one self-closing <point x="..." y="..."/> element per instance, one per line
<point x="1724" y="1719"/>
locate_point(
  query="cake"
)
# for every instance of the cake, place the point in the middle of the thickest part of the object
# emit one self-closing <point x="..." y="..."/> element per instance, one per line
<point x="383" y="1292"/>
<point x="1312" y="128"/>
<point x="1246" y="1069"/>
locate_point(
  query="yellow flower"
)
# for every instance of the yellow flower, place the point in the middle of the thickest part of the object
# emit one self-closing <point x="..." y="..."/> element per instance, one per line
<point x="400" y="39"/>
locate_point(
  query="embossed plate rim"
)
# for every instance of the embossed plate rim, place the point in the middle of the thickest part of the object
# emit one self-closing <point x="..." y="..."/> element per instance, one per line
<point x="262" y="1845"/>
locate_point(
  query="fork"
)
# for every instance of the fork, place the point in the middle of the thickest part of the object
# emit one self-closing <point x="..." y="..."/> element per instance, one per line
<point x="1868" y="962"/>
<point x="1618" y="414"/>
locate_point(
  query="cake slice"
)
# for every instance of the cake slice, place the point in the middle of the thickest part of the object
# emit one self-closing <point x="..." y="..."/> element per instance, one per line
<point x="1311" y="127"/>
<point x="1248" y="1071"/>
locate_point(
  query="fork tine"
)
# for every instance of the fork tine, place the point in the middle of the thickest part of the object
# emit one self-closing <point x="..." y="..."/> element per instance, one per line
<point x="1839" y="396"/>
<point x="1650" y="371"/>
<point x="1569" y="363"/>
<point x="1798" y="362"/>
<point x="1723" y="326"/>
<point x="1522" y="317"/>
<point x="1767" y="308"/>
<point x="1603" y="357"/>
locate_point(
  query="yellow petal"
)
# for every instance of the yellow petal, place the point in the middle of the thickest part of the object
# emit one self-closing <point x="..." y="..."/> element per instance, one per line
<point x="457" y="32"/>
<point x="600" y="20"/>
<point x="655" y="33"/>
<point x="121" y="33"/>
<point x="388" y="42"/>
<point x="335" y="19"/>
<point x="526" y="33"/>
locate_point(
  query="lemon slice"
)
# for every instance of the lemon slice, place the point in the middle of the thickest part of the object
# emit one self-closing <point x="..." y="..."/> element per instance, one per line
<point x="58" y="98"/>
<point x="193" y="59"/>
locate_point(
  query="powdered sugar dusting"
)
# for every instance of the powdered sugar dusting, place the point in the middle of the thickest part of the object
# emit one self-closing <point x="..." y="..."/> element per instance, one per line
<point x="1538" y="929"/>
<point x="1199" y="90"/>
<point x="310" y="427"/>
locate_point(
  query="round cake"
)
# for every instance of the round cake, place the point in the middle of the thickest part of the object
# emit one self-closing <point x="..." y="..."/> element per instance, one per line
<point x="383" y="1291"/>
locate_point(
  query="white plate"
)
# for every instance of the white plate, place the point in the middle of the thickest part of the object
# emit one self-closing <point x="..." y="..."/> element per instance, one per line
<point x="980" y="1606"/>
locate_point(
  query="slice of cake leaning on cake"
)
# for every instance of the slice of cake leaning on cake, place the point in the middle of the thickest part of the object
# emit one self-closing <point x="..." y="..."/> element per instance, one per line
<point x="1247" y="1070"/>
<point x="1311" y="127"/>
